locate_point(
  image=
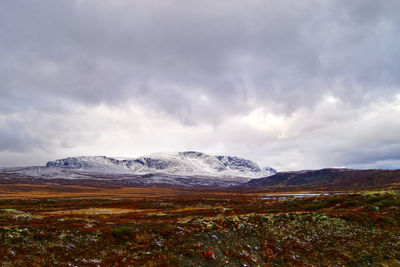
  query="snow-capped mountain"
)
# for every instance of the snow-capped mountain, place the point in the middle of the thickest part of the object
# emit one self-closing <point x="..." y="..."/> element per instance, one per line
<point x="189" y="163"/>
<point x="183" y="169"/>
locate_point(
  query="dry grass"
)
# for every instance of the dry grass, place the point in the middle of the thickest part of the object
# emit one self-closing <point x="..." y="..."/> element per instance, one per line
<point x="93" y="211"/>
<point x="28" y="191"/>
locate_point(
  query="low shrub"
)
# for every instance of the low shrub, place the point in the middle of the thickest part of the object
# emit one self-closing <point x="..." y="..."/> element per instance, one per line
<point x="385" y="202"/>
<point x="122" y="231"/>
<point x="351" y="203"/>
<point x="274" y="210"/>
<point x="314" y="206"/>
<point x="388" y="220"/>
<point x="372" y="208"/>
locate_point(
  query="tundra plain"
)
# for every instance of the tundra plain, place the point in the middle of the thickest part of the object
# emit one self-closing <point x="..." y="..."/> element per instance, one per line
<point x="48" y="225"/>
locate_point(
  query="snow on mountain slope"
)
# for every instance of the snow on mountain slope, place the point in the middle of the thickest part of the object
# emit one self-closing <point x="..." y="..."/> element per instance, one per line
<point x="189" y="163"/>
<point x="68" y="176"/>
<point x="42" y="172"/>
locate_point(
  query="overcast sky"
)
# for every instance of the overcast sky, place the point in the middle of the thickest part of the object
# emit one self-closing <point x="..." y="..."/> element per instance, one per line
<point x="289" y="84"/>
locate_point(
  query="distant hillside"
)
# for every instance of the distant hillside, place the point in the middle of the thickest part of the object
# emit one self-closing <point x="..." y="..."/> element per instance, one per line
<point x="329" y="177"/>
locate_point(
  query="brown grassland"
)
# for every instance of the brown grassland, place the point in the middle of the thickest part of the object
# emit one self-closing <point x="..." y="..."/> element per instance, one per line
<point x="52" y="225"/>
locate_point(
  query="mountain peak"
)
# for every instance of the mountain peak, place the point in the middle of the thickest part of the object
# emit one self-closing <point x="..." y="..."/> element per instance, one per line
<point x="187" y="163"/>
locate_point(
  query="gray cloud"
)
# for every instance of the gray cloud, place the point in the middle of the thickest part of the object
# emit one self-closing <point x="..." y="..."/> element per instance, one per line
<point x="16" y="138"/>
<point x="201" y="64"/>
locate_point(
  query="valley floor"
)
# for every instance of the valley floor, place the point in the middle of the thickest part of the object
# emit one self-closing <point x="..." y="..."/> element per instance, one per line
<point x="94" y="226"/>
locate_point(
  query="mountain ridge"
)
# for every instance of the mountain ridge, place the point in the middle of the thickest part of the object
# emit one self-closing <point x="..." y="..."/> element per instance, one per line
<point x="188" y="163"/>
<point x="180" y="169"/>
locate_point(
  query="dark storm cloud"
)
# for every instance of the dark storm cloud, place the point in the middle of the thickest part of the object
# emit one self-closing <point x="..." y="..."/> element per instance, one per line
<point x="200" y="62"/>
